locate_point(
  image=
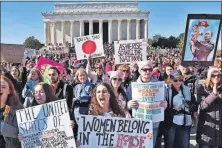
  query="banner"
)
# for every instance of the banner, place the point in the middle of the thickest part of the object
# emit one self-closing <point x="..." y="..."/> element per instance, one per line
<point x="31" y="53"/>
<point x="127" y="51"/>
<point x="104" y="132"/>
<point x="12" y="53"/>
<point x="44" y="64"/>
<point x="86" y="45"/>
<point x="46" y="125"/>
<point x="148" y="96"/>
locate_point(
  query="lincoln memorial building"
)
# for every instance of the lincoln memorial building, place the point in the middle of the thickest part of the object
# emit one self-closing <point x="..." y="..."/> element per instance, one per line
<point x="114" y="20"/>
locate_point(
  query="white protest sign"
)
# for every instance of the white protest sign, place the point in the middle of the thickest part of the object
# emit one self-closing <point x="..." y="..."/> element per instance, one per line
<point x="149" y="96"/>
<point x="29" y="53"/>
<point x="46" y="125"/>
<point x="115" y="132"/>
<point x="127" y="51"/>
<point x="86" y="45"/>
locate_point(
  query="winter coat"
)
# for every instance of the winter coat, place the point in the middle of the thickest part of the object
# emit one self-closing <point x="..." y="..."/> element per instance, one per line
<point x="209" y="129"/>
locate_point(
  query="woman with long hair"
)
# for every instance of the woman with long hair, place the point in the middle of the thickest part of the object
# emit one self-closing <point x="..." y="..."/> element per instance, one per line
<point x="116" y="79"/>
<point x="34" y="78"/>
<point x="104" y="102"/>
<point x="9" y="104"/>
<point x="209" y="98"/>
<point x="43" y="94"/>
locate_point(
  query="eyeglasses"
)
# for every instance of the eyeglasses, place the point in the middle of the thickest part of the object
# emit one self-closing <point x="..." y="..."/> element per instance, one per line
<point x="175" y="80"/>
<point x="147" y="69"/>
<point x="119" y="79"/>
<point x="216" y="75"/>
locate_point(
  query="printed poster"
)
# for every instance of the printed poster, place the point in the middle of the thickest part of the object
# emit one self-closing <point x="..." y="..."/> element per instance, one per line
<point x="201" y="39"/>
<point x="114" y="132"/>
<point x="44" y="64"/>
<point x="128" y="51"/>
<point x="149" y="96"/>
<point x="31" y="53"/>
<point x="89" y="45"/>
<point x="46" y="126"/>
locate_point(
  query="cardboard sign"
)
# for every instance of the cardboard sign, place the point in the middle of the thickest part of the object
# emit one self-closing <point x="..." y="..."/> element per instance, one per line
<point x="127" y="51"/>
<point x="104" y="132"/>
<point x="89" y="45"/>
<point x="148" y="96"/>
<point x="44" y="64"/>
<point x="201" y="39"/>
<point x="46" y="125"/>
<point x="31" y="53"/>
<point x="12" y="53"/>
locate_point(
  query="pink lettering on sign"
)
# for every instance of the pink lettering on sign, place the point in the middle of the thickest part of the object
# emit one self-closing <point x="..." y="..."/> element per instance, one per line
<point x="131" y="141"/>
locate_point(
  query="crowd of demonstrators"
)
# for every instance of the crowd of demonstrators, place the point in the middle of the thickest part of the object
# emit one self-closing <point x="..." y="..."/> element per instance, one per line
<point x="101" y="88"/>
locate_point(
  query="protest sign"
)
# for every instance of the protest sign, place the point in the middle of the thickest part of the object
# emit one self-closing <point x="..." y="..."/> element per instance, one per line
<point x="44" y="64"/>
<point x="104" y="132"/>
<point x="201" y="39"/>
<point x="148" y="96"/>
<point x="127" y="51"/>
<point x="46" y="125"/>
<point x="31" y="53"/>
<point x="12" y="53"/>
<point x="89" y="45"/>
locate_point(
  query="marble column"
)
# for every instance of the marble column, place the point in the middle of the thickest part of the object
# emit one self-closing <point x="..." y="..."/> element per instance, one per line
<point x="53" y="33"/>
<point x="81" y="29"/>
<point x="128" y="29"/>
<point x="101" y="27"/>
<point x="119" y="29"/>
<point x="45" y="33"/>
<point x="90" y="27"/>
<point x="63" y="32"/>
<point x="110" y="31"/>
<point x="137" y="29"/>
<point x="71" y="32"/>
<point x="145" y="29"/>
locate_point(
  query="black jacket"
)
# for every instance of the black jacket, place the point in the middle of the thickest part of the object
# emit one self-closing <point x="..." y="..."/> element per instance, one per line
<point x="209" y="129"/>
<point x="68" y="96"/>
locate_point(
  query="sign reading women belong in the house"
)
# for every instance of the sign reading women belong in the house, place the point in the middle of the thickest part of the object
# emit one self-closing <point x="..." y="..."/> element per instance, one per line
<point x="89" y="45"/>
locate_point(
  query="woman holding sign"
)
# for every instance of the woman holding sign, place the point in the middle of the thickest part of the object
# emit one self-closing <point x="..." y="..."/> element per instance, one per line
<point x="9" y="104"/>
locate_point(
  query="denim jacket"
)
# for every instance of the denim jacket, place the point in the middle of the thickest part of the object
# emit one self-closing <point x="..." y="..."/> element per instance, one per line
<point x="28" y="94"/>
<point x="82" y="92"/>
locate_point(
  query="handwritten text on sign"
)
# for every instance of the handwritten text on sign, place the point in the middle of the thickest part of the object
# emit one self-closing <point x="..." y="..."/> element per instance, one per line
<point x="103" y="132"/>
<point x="89" y="45"/>
<point x="149" y="96"/>
<point x="127" y="51"/>
<point x="46" y="126"/>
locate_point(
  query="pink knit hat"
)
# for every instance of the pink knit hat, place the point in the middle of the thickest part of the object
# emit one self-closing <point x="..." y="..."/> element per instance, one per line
<point x="211" y="70"/>
<point x="115" y="74"/>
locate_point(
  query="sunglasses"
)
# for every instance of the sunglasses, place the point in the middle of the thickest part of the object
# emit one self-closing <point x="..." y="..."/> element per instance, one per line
<point x="175" y="80"/>
<point x="147" y="69"/>
<point x="216" y="75"/>
<point x="119" y="79"/>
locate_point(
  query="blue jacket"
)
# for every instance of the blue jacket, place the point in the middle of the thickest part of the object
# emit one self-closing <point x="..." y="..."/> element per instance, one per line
<point x="82" y="92"/>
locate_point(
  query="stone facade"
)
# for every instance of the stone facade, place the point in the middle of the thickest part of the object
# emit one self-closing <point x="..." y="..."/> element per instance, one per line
<point x="124" y="20"/>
